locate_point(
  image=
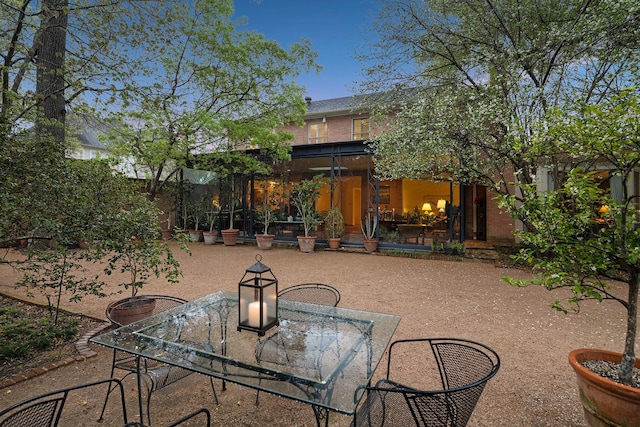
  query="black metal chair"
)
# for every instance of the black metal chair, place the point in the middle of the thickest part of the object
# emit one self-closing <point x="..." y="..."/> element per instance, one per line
<point x="314" y="293"/>
<point x="459" y="372"/>
<point x="204" y="413"/>
<point x="155" y="375"/>
<point x="201" y="411"/>
<point x="45" y="410"/>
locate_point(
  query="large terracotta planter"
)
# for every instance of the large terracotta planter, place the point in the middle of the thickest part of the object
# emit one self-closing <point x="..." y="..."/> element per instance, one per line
<point x="131" y="309"/>
<point x="334" y="242"/>
<point x="370" y="245"/>
<point x="265" y="241"/>
<point x="230" y="236"/>
<point x="306" y="244"/>
<point x="210" y="237"/>
<point x="605" y="402"/>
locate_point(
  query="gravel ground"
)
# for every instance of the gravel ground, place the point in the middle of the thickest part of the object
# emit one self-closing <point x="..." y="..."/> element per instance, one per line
<point x="436" y="298"/>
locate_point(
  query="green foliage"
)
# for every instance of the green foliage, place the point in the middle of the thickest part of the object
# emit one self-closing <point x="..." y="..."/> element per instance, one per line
<point x="20" y="335"/>
<point x="215" y="89"/>
<point x="334" y="223"/>
<point x="571" y="243"/>
<point x="369" y="225"/>
<point x="69" y="201"/>
<point x="468" y="80"/>
<point x="304" y="195"/>
<point x="272" y="193"/>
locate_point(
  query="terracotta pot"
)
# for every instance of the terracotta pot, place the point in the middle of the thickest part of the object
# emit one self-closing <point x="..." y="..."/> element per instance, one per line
<point x="265" y="241"/>
<point x="605" y="402"/>
<point x="166" y="234"/>
<point x="334" y="242"/>
<point x="370" y="245"/>
<point x="131" y="309"/>
<point x="306" y="244"/>
<point x="230" y="236"/>
<point x="210" y="237"/>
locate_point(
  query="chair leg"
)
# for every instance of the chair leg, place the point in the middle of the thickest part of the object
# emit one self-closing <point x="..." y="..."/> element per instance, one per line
<point x="213" y="389"/>
<point x="110" y="388"/>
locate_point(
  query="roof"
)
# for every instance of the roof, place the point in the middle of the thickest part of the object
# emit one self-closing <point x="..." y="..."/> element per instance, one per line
<point x="332" y="106"/>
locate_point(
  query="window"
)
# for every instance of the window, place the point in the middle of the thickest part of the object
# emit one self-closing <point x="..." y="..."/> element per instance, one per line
<point x="316" y="133"/>
<point x="360" y="129"/>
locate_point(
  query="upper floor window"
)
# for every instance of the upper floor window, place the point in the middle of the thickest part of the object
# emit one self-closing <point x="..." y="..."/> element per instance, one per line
<point x="316" y="133"/>
<point x="360" y="129"/>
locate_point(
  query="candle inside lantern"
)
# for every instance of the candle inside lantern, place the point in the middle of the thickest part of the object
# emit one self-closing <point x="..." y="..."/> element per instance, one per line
<point x="254" y="314"/>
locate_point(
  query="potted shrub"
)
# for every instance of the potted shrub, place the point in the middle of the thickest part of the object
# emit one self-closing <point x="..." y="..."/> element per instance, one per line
<point x="581" y="237"/>
<point x="198" y="210"/>
<point x="334" y="227"/>
<point x="230" y="235"/>
<point x="303" y="196"/>
<point x="211" y="236"/>
<point x="368" y="226"/>
<point x="130" y="246"/>
<point x="265" y="213"/>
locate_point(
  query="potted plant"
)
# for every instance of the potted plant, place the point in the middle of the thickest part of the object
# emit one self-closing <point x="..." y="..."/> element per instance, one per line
<point x="211" y="236"/>
<point x="265" y="213"/>
<point x="230" y="235"/>
<point x="334" y="227"/>
<point x="198" y="210"/>
<point x="368" y="226"/>
<point x="130" y="246"/>
<point x="303" y="196"/>
<point x="581" y="237"/>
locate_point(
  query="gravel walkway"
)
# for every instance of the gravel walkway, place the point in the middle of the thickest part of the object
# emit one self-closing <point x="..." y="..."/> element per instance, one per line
<point x="436" y="298"/>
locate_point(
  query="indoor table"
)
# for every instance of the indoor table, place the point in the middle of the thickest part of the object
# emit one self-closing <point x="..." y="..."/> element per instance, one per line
<point x="319" y="355"/>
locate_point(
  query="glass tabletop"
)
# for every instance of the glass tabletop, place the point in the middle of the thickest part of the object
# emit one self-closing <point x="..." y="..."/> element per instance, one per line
<point x="318" y="354"/>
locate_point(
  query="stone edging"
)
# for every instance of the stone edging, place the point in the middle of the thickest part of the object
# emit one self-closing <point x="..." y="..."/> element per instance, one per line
<point x="82" y="347"/>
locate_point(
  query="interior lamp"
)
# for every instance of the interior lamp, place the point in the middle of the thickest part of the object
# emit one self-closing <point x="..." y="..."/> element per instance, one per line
<point x="603" y="209"/>
<point x="442" y="204"/>
<point x="426" y="207"/>
<point x="258" y="299"/>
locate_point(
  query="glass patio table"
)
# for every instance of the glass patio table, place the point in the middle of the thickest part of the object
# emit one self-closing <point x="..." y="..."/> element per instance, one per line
<point x="320" y="355"/>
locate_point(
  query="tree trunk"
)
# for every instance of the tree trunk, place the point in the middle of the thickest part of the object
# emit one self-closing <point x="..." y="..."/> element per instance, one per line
<point x="51" y="42"/>
<point x="628" y="356"/>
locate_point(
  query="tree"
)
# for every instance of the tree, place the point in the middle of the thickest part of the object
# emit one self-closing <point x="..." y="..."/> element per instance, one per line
<point x="587" y="238"/>
<point x="82" y="201"/>
<point x="216" y="89"/>
<point x="467" y="80"/>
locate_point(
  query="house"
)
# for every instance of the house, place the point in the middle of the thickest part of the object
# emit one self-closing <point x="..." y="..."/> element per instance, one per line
<point x="412" y="213"/>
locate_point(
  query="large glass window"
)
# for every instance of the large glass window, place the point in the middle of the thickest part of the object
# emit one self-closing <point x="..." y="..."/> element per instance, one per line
<point x="316" y="133"/>
<point x="360" y="129"/>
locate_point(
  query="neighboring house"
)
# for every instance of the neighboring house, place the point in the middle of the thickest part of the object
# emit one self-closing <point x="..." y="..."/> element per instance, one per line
<point x="88" y="145"/>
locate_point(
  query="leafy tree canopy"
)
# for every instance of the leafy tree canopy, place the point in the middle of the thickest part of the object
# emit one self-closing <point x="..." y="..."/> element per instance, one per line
<point x="470" y="78"/>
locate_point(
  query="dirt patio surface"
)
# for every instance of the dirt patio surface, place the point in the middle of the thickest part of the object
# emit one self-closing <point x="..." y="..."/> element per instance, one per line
<point x="435" y="298"/>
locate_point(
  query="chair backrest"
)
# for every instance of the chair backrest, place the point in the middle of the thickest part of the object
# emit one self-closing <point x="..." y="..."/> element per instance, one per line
<point x="131" y="309"/>
<point x="314" y="293"/>
<point x="45" y="410"/>
<point x="200" y="413"/>
<point x="464" y="368"/>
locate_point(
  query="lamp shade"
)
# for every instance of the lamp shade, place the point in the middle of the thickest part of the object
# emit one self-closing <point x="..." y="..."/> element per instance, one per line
<point x="603" y="209"/>
<point x="442" y="204"/>
<point x="426" y="207"/>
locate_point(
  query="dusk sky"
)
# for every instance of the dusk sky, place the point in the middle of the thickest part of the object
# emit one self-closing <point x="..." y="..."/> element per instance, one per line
<point x="332" y="26"/>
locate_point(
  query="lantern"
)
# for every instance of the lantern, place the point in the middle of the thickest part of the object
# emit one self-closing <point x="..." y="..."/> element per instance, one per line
<point x="258" y="299"/>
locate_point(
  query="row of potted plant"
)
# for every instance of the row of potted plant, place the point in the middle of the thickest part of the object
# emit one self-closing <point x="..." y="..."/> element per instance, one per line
<point x="304" y="196"/>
